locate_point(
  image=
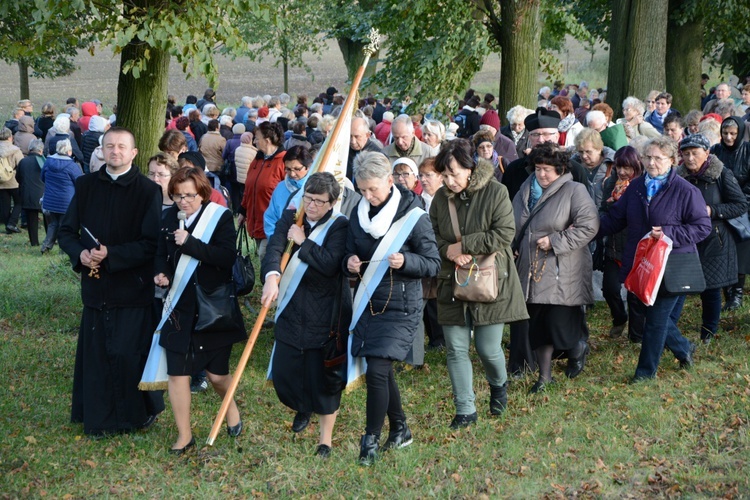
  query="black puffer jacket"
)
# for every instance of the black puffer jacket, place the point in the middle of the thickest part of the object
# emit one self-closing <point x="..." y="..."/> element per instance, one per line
<point x="306" y="321"/>
<point x="615" y="244"/>
<point x="389" y="335"/>
<point x="718" y="252"/>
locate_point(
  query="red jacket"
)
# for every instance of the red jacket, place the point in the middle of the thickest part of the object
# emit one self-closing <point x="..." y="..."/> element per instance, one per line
<point x="262" y="177"/>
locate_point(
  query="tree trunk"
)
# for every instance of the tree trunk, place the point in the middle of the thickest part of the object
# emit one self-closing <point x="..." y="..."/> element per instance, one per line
<point x="638" y="40"/>
<point x="646" y="48"/>
<point x="684" y="72"/>
<point x="520" y="40"/>
<point x="618" y="36"/>
<point x="141" y="102"/>
<point x="23" y="79"/>
<point x="354" y="56"/>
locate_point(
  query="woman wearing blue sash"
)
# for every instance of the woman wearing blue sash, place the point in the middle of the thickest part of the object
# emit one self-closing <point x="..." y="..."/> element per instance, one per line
<point x="313" y="303"/>
<point x="187" y="351"/>
<point x="390" y="247"/>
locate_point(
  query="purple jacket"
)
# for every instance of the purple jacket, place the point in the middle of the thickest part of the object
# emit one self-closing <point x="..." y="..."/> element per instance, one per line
<point x="678" y="208"/>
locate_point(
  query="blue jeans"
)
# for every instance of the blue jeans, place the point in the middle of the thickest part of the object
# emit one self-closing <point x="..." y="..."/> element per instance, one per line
<point x="711" y="302"/>
<point x="659" y="331"/>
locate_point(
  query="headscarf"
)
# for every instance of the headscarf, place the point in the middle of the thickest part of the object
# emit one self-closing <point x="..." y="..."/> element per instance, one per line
<point x="740" y="132"/>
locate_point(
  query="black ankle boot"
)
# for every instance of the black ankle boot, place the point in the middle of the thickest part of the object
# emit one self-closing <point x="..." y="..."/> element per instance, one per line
<point x="498" y="398"/>
<point x="736" y="301"/>
<point x="368" y="449"/>
<point x="399" y="436"/>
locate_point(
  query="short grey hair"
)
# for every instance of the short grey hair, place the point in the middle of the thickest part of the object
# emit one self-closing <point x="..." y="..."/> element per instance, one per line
<point x="517" y="114"/>
<point x="595" y="118"/>
<point x="273" y="102"/>
<point x="434" y="127"/>
<point x="370" y="165"/>
<point x="284" y="98"/>
<point x="230" y="111"/>
<point x="258" y="102"/>
<point x="405" y="120"/>
<point x="247" y="101"/>
<point x="252" y="113"/>
<point x="666" y="145"/>
<point x="544" y="90"/>
<point x="225" y="120"/>
<point x="5" y="134"/>
<point x="36" y="145"/>
<point x="63" y="147"/>
<point x="725" y="107"/>
<point x="325" y="122"/>
<point x="634" y="103"/>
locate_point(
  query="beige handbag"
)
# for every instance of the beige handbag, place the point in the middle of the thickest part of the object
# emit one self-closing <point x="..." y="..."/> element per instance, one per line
<point x="476" y="281"/>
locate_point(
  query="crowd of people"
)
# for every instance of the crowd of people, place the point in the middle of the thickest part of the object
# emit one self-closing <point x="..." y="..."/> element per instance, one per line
<point x="551" y="206"/>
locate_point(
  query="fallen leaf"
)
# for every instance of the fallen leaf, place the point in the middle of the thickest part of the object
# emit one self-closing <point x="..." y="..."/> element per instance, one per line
<point x="30" y="439"/>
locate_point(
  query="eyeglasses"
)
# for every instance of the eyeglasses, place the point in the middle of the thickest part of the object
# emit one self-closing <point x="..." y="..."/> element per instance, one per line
<point x="402" y="175"/>
<point x="160" y="175"/>
<point x="310" y="200"/>
<point x="295" y="170"/>
<point x="658" y="159"/>
<point x="179" y="197"/>
<point x="537" y="135"/>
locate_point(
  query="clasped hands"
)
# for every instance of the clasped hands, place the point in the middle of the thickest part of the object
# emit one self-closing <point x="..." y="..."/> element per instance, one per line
<point x="454" y="253"/>
<point x="395" y="260"/>
<point x="93" y="258"/>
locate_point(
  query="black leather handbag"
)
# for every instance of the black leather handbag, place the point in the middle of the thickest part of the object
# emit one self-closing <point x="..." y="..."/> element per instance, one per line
<point x="683" y="275"/>
<point x="218" y="309"/>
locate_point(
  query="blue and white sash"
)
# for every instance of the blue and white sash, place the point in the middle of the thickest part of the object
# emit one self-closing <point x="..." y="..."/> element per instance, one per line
<point x="293" y="274"/>
<point x="155" y="372"/>
<point x="391" y="243"/>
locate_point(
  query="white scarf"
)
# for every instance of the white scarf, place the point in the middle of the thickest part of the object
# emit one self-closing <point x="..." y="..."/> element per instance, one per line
<point x="378" y="226"/>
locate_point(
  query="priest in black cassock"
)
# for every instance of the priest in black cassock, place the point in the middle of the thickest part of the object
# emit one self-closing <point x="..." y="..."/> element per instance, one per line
<point x="110" y="234"/>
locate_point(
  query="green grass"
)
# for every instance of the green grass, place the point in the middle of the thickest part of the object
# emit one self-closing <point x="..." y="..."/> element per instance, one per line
<point x="684" y="434"/>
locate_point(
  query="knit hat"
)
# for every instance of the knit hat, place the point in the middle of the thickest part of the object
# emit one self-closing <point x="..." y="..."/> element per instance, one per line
<point x="263" y="112"/>
<point x="246" y="138"/>
<point x="542" y="118"/>
<point x="409" y="163"/>
<point x="490" y="118"/>
<point x="238" y="129"/>
<point x="195" y="158"/>
<point x="712" y="116"/>
<point x="695" y="141"/>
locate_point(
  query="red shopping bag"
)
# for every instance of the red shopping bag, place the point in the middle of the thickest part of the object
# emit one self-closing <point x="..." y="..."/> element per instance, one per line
<point x="649" y="263"/>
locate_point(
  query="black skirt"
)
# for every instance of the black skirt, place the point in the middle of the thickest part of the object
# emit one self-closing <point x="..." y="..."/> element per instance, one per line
<point x="559" y="326"/>
<point x="299" y="382"/>
<point x="215" y="361"/>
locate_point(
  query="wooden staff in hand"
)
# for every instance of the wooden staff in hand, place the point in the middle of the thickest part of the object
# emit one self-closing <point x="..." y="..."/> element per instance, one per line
<point x="326" y="153"/>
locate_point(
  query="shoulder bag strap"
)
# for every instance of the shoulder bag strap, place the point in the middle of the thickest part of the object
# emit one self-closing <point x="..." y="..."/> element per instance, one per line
<point x="454" y="218"/>
<point x="514" y="246"/>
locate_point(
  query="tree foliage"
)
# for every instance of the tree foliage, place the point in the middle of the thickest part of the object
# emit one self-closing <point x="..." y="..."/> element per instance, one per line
<point x="147" y="34"/>
<point x="285" y="32"/>
<point x="48" y="53"/>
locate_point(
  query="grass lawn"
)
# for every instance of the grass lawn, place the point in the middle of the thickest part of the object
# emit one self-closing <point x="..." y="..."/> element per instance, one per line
<point x="685" y="433"/>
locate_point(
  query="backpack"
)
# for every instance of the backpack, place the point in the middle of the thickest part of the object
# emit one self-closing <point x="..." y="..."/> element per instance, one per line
<point x="7" y="172"/>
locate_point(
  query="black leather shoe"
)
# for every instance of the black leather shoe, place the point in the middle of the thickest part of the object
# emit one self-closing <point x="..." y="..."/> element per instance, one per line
<point x="12" y="229"/>
<point x="301" y="421"/>
<point x="576" y="365"/>
<point x="181" y="451"/>
<point x="149" y="421"/>
<point x="688" y="362"/>
<point x="399" y="436"/>
<point x="735" y="301"/>
<point x="460" y="421"/>
<point x="234" y="430"/>
<point x="540" y="386"/>
<point x="498" y="399"/>
<point x="323" y="451"/>
<point x="368" y="449"/>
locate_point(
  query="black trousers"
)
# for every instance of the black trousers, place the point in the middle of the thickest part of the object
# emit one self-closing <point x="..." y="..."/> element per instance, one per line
<point x="10" y="206"/>
<point x="432" y="328"/>
<point x="611" y="287"/>
<point x="383" y="396"/>
<point x="636" y="318"/>
<point x="32" y="219"/>
<point x="521" y="357"/>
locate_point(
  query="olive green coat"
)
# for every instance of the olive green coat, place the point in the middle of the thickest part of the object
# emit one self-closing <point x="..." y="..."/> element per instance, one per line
<point x="485" y="218"/>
